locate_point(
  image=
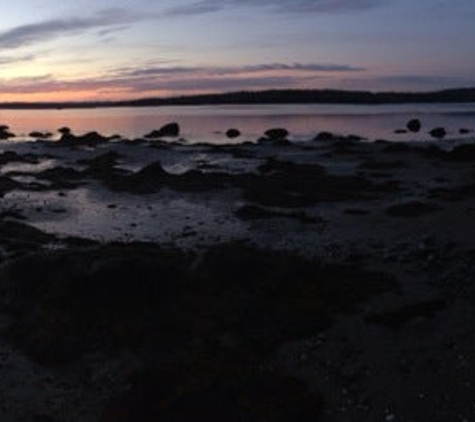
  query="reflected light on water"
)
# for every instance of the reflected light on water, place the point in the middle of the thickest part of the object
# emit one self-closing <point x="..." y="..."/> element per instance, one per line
<point x="209" y="123"/>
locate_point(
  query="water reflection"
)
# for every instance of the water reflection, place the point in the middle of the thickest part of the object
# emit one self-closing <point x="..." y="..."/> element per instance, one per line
<point x="209" y="123"/>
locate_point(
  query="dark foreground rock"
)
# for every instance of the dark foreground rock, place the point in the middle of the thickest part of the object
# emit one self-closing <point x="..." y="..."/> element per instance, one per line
<point x="215" y="317"/>
<point x="135" y="296"/>
<point x="411" y="209"/>
<point x="227" y="393"/>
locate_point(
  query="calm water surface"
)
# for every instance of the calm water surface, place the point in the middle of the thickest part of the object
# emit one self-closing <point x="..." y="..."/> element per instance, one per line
<point x="208" y="123"/>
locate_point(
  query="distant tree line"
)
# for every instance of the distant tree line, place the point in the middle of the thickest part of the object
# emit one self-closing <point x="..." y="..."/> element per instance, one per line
<point x="463" y="95"/>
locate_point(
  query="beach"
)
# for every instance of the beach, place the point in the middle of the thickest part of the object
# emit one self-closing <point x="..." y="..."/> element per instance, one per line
<point x="326" y="278"/>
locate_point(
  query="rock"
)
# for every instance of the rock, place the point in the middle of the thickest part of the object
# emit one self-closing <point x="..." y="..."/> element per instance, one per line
<point x="13" y="157"/>
<point x="438" y="132"/>
<point x="411" y="209"/>
<point x="252" y="212"/>
<point x="464" y="152"/>
<point x="325" y="136"/>
<point x="233" y="133"/>
<point x="7" y="185"/>
<point x="414" y="125"/>
<point x="5" y="132"/>
<point x="464" y="131"/>
<point x="400" y="131"/>
<point x="89" y="139"/>
<point x="171" y="130"/>
<point x="277" y="134"/>
<point x="106" y="160"/>
<point x="40" y="135"/>
<point x="354" y="138"/>
<point x="275" y="142"/>
<point x="64" y="131"/>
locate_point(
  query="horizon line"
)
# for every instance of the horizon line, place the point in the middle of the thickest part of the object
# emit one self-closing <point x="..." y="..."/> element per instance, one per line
<point x="226" y="98"/>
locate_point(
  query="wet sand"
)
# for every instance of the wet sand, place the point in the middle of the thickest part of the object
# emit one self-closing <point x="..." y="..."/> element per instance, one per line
<point x="320" y="280"/>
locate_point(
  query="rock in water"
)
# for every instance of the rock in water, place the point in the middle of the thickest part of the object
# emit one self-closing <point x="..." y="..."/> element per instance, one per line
<point x="278" y="134"/>
<point x="64" y="131"/>
<point x="414" y="125"/>
<point x="438" y="132"/>
<point x="171" y="130"/>
<point x="233" y="133"/>
<point x="40" y="135"/>
<point x="5" y="133"/>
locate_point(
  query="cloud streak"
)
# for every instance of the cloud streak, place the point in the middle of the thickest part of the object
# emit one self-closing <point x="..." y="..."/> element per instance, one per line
<point x="280" y="6"/>
<point x="26" y="35"/>
<point x="10" y="60"/>
<point x="136" y="81"/>
<point x="236" y="70"/>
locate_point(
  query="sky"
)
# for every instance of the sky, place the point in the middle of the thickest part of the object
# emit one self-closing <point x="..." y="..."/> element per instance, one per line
<point x="120" y="49"/>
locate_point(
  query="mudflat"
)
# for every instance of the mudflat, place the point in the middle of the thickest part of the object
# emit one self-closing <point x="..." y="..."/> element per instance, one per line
<point x="330" y="280"/>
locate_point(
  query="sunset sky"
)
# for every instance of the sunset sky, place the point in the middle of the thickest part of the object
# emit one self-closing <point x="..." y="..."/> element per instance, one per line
<point x="111" y="49"/>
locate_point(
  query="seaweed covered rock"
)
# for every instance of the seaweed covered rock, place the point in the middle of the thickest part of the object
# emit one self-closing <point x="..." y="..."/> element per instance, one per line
<point x="411" y="209"/>
<point x="289" y="184"/>
<point x="90" y="139"/>
<point x="139" y="297"/>
<point x="214" y="391"/>
<point x="170" y="130"/>
<point x="464" y="152"/>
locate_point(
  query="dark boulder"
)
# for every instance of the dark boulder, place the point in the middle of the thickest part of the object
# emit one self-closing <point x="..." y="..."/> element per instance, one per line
<point x="89" y="139"/>
<point x="438" y="132"/>
<point x="171" y="130"/>
<point x="400" y="131"/>
<point x="414" y="125"/>
<point x="64" y="131"/>
<point x="464" y="131"/>
<point x="233" y="133"/>
<point x="5" y="132"/>
<point x="277" y="134"/>
<point x="92" y="138"/>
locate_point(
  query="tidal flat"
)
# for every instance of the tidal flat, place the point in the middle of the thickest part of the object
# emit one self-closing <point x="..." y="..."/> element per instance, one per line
<point x="327" y="279"/>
